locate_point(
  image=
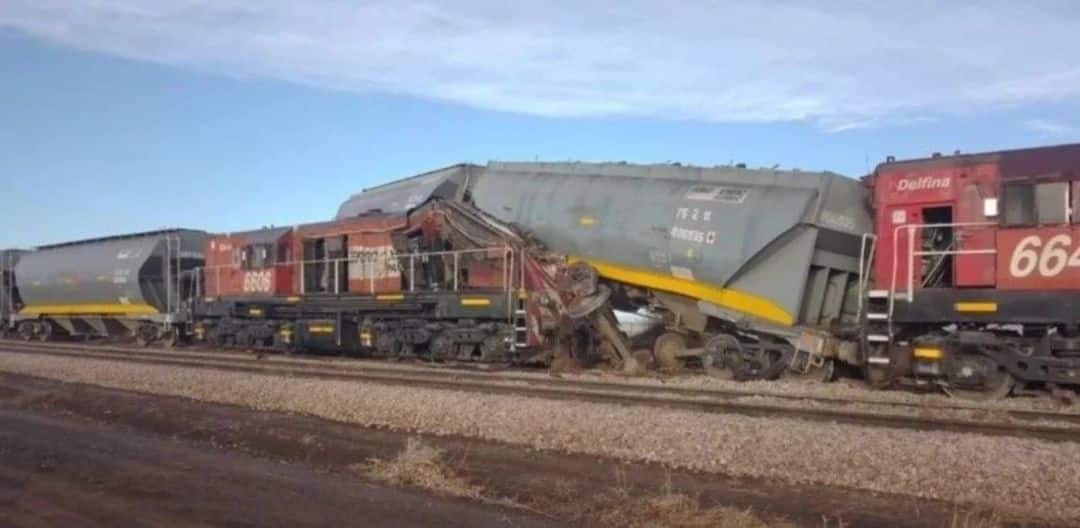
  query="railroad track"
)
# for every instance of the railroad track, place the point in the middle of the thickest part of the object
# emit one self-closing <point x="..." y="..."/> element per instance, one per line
<point x="1016" y="423"/>
<point x="472" y="373"/>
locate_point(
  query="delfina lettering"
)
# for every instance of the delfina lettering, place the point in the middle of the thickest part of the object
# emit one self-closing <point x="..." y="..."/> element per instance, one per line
<point x="923" y="183"/>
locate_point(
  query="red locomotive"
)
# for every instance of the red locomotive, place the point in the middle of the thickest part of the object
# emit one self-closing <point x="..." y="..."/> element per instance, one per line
<point x="976" y="274"/>
<point x="442" y="278"/>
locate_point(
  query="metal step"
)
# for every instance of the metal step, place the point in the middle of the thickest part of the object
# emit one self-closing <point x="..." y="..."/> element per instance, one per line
<point x="877" y="338"/>
<point x="877" y="316"/>
<point x="878" y="294"/>
<point x="519" y="312"/>
<point x="878" y="360"/>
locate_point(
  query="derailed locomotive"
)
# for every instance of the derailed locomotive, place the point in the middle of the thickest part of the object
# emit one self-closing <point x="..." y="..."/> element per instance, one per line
<point x="961" y="271"/>
<point x="440" y="280"/>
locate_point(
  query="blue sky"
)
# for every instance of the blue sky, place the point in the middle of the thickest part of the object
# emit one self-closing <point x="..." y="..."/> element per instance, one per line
<point x="225" y="115"/>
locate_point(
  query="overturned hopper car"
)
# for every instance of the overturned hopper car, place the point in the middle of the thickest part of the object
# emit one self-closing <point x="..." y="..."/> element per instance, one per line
<point x="749" y="269"/>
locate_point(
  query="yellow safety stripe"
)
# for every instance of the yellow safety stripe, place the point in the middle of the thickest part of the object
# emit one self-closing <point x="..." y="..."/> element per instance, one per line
<point x="976" y="307"/>
<point x="928" y="353"/>
<point x="475" y="301"/>
<point x="89" y="309"/>
<point x="726" y="297"/>
<point x="390" y="297"/>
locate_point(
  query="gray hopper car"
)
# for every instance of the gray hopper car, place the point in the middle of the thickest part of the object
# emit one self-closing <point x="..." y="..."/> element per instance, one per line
<point x="759" y="259"/>
<point x="134" y="283"/>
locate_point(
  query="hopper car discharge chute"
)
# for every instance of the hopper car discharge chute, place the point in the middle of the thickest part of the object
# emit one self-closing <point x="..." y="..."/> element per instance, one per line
<point x="747" y="272"/>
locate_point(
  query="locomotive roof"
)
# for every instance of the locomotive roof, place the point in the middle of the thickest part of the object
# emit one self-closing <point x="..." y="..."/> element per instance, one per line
<point x="266" y="235"/>
<point x="1054" y="161"/>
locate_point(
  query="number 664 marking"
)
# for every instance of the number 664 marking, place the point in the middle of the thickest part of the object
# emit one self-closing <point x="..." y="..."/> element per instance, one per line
<point x="1053" y="258"/>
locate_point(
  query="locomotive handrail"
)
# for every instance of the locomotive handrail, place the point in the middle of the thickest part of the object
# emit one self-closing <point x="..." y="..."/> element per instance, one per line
<point x="366" y="260"/>
<point x="912" y="253"/>
<point x="866" y="261"/>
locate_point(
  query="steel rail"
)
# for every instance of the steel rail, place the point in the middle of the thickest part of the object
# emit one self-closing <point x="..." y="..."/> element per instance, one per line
<point x="460" y="372"/>
<point x="622" y="395"/>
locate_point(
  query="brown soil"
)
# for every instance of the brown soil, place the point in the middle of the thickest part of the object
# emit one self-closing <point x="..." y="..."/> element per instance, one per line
<point x="74" y="454"/>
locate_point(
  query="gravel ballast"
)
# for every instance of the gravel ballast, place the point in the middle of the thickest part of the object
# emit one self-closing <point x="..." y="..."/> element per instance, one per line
<point x="1024" y="477"/>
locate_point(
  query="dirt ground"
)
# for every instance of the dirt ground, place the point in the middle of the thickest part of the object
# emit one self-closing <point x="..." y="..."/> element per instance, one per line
<point x="79" y="455"/>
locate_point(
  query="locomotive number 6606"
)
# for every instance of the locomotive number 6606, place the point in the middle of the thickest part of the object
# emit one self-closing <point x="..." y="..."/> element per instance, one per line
<point x="257" y="281"/>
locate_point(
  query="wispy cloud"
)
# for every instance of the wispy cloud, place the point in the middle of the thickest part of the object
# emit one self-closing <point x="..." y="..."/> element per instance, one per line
<point x="1048" y="127"/>
<point x="841" y="64"/>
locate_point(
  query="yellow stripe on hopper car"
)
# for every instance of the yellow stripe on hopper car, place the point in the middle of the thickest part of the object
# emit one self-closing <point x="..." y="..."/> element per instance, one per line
<point x="89" y="309"/>
<point x="976" y="307"/>
<point x="728" y="298"/>
<point x="390" y="297"/>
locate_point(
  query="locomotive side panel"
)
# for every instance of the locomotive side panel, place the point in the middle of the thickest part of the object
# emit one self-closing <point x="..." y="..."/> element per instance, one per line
<point x="254" y="264"/>
<point x="989" y="272"/>
<point x="1039" y="258"/>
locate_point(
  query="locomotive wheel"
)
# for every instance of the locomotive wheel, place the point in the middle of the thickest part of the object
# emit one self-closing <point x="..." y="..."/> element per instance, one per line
<point x="492" y="348"/>
<point x="977" y="377"/>
<point x="996" y="389"/>
<point x="441" y="348"/>
<point x="387" y="345"/>
<point x="667" y="349"/>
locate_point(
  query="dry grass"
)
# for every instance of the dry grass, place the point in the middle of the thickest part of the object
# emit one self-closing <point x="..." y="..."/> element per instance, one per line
<point x="976" y="519"/>
<point x="669" y="509"/>
<point x="673" y="510"/>
<point x="422" y="466"/>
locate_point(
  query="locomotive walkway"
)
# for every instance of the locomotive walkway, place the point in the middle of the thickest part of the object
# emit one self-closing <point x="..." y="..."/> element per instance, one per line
<point x="1052" y="426"/>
